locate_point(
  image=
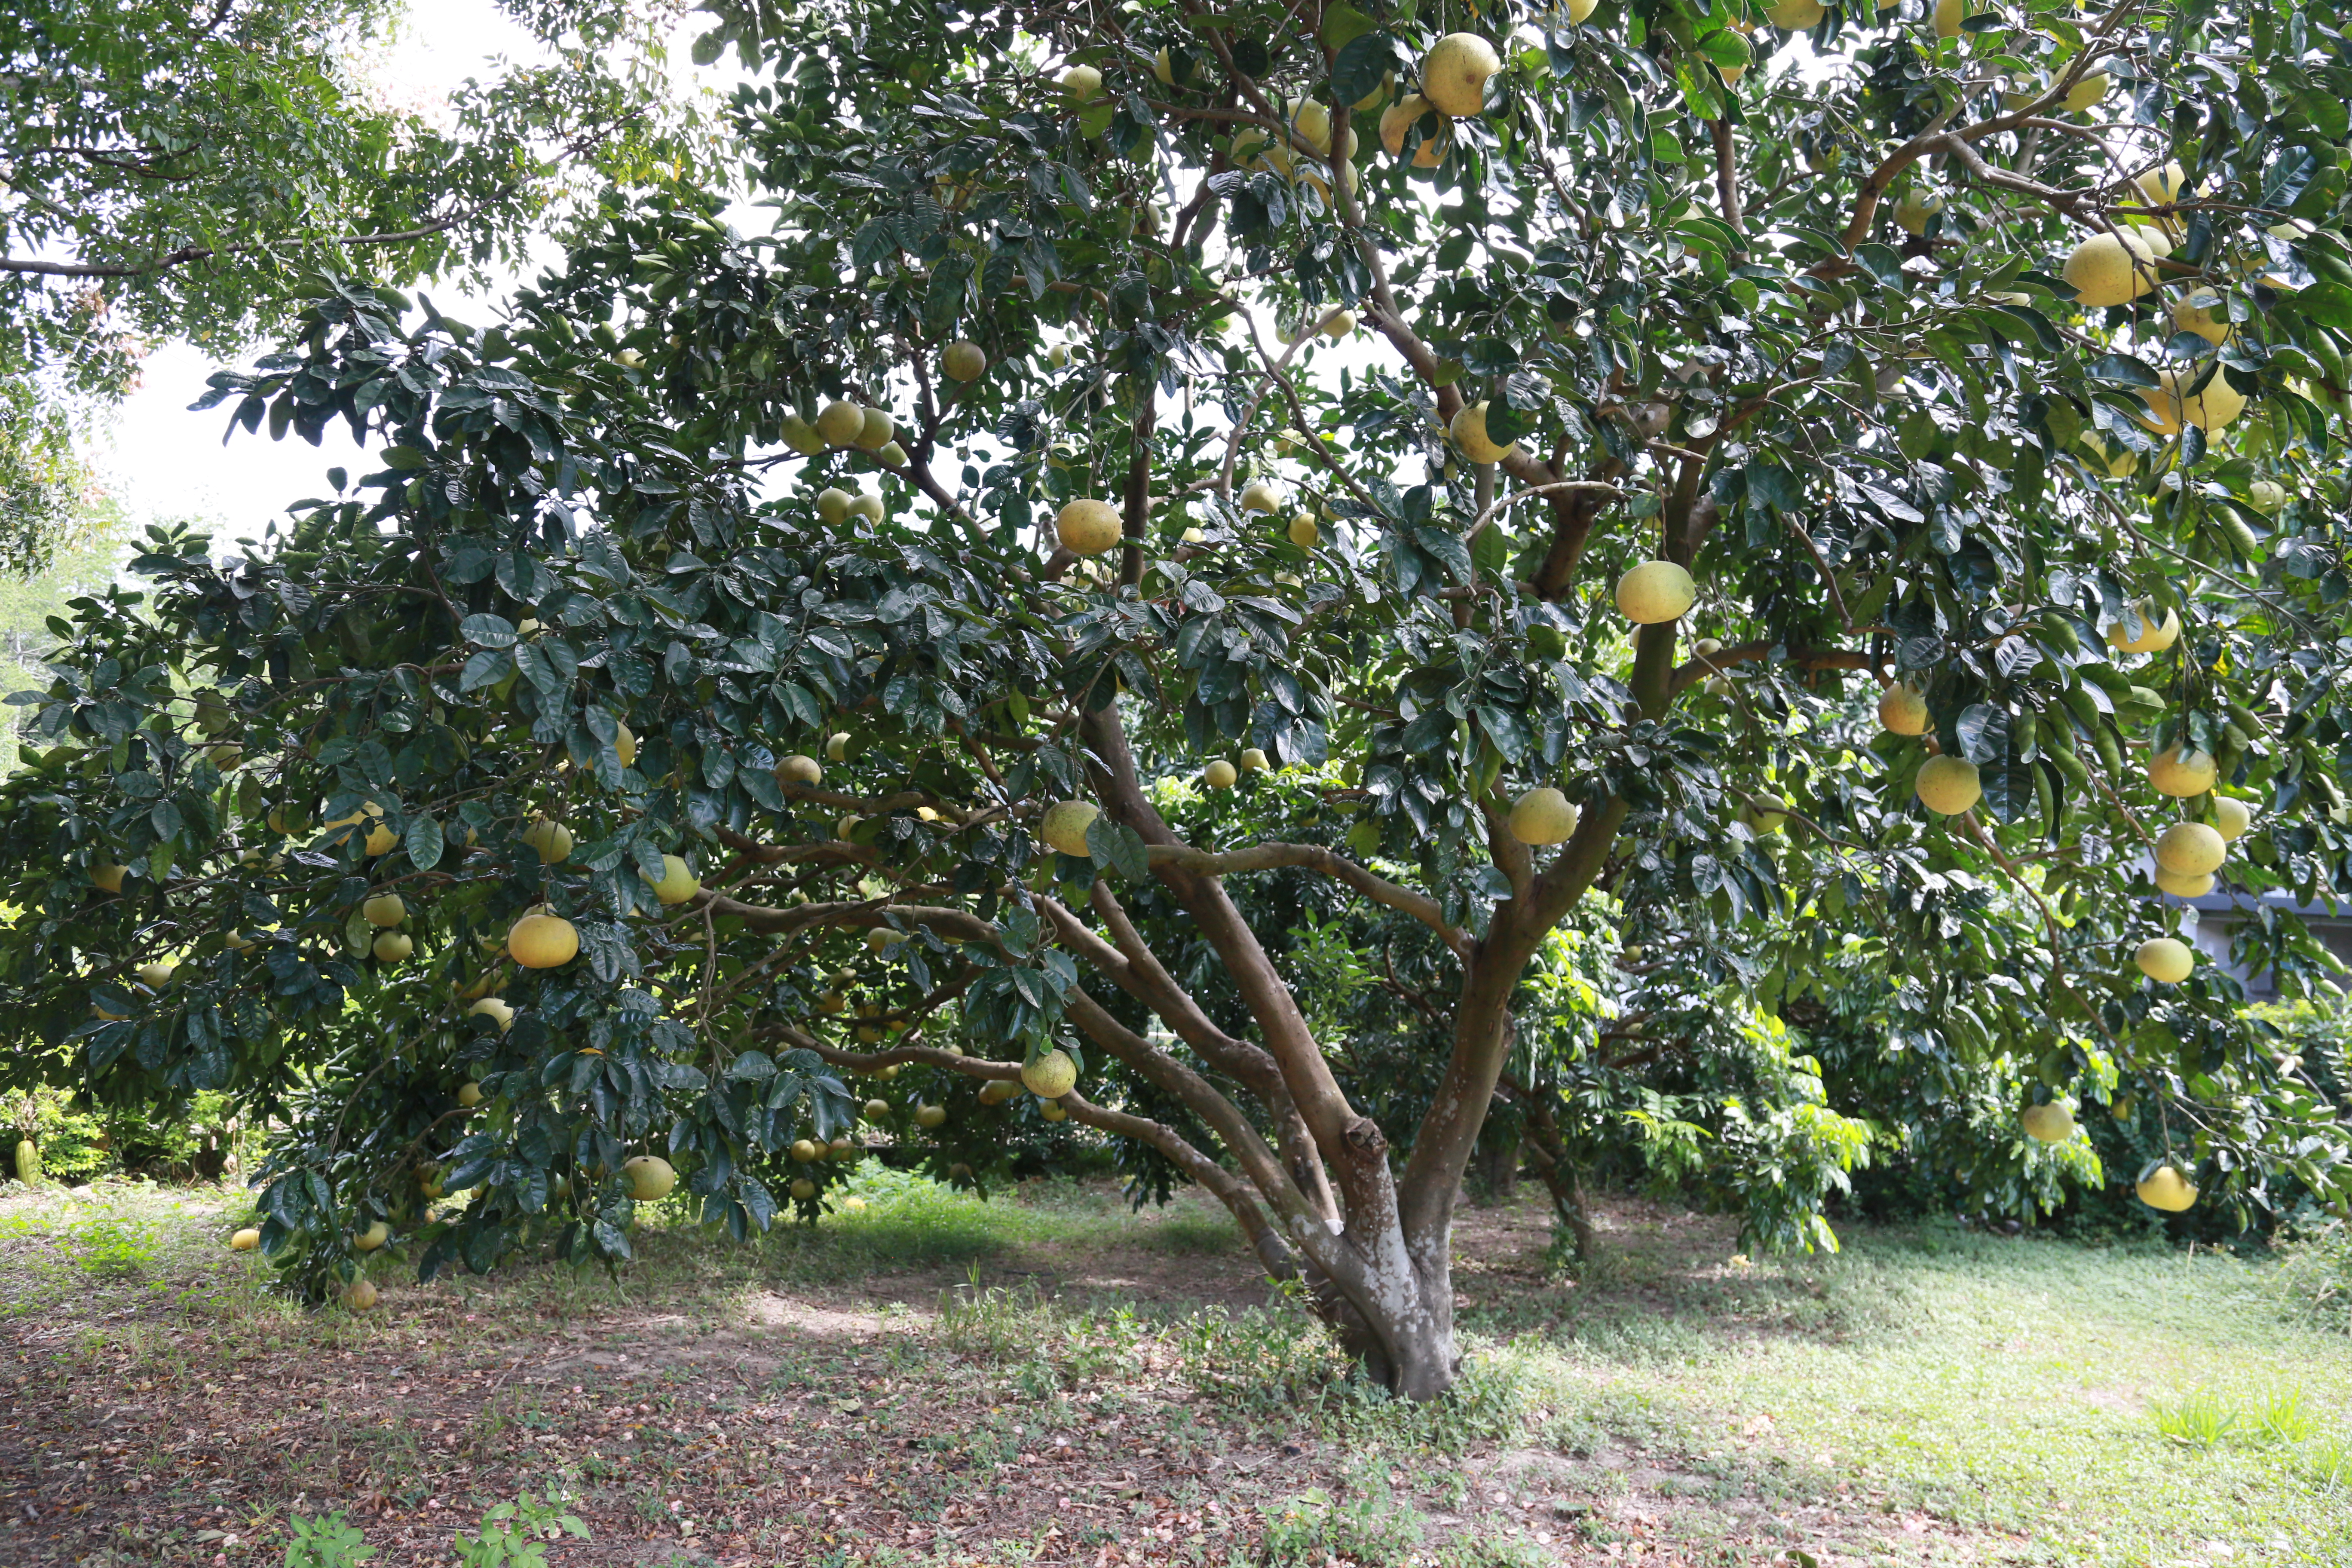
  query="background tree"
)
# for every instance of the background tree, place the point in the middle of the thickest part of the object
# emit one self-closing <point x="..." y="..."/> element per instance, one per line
<point x="604" y="703"/>
<point x="169" y="170"/>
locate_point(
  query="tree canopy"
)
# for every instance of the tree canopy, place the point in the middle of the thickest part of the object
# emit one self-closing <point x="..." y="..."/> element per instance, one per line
<point x="168" y="171"/>
<point x="1854" y="493"/>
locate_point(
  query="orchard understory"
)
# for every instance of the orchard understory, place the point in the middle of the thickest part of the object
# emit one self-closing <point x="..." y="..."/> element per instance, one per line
<point x="1288" y="591"/>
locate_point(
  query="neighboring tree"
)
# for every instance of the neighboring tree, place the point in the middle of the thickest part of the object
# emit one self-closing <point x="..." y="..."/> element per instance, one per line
<point x="605" y="631"/>
<point x="169" y="170"/>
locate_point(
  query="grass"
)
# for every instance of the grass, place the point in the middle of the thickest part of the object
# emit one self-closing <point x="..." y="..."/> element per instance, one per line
<point x="932" y="1380"/>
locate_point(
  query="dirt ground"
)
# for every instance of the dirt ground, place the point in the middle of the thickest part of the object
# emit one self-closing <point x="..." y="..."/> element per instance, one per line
<point x="1086" y="1398"/>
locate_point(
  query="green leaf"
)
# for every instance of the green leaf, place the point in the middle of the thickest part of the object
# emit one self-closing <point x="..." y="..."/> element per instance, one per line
<point x="1118" y="847"/>
<point x="424" y="842"/>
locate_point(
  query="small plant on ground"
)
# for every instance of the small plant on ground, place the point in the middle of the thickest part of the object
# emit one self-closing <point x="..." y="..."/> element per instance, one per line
<point x="2197" y="1420"/>
<point x="512" y="1533"/>
<point x="330" y="1543"/>
<point x="2284" y="1416"/>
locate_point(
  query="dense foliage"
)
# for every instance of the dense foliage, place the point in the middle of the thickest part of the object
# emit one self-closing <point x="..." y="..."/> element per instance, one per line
<point x="1789" y="314"/>
<point x="174" y="170"/>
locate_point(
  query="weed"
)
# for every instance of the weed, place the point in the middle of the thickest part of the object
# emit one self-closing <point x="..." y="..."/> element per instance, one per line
<point x="109" y="1243"/>
<point x="2326" y="1462"/>
<point x="1312" y="1529"/>
<point x="329" y="1543"/>
<point x="2283" y="1416"/>
<point x="2197" y="1420"/>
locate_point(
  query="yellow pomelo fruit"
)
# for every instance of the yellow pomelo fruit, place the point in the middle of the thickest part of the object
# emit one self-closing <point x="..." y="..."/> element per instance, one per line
<point x="1083" y="84"/>
<point x="876" y="429"/>
<point x="2181" y="887"/>
<point x="1766" y="818"/>
<point x="360" y="1295"/>
<point x="1655" y="592"/>
<point x="832" y="506"/>
<point x="1948" y="784"/>
<point x="2171" y="405"/>
<point x="649" y="1177"/>
<point x="2181" y="772"/>
<point x="1253" y="760"/>
<point x="1339" y="323"/>
<point x="551" y="840"/>
<point x="804" y="1151"/>
<point x="1303" y="532"/>
<point x="156" y="975"/>
<point x="624" y="745"/>
<point x="836" y="747"/>
<point x="2231" y="817"/>
<point x="373" y="1237"/>
<point x="1051" y="1076"/>
<point x="2111" y="269"/>
<point x="1050" y="1111"/>
<point x="380" y="840"/>
<point x="803" y="1188"/>
<point x="2161" y="187"/>
<point x="393" y="946"/>
<point x="1543" y="816"/>
<point x="1949" y="15"/>
<point x="840" y="424"/>
<point x="1400" y="117"/>
<point x="495" y="1010"/>
<point x="1066" y="824"/>
<point x="245" y="1240"/>
<point x="1902" y="710"/>
<point x="801" y="436"/>
<point x="2267" y="496"/>
<point x="2121" y="464"/>
<point x="678" y="882"/>
<point x="2048" y="1124"/>
<point x="2191" y="850"/>
<point x="2155" y="636"/>
<point x="1914" y="211"/>
<point x="997" y="1091"/>
<point x="2086" y="92"/>
<point x="1796" y="15"/>
<point x="1219" y="774"/>
<point x="1454" y="73"/>
<point x="469" y="1094"/>
<point x="964" y="361"/>
<point x="1262" y="496"/>
<point x="107" y="879"/>
<point x="2204" y="312"/>
<point x="1088" y="527"/>
<point x="798" y="769"/>
<point x="1469" y="431"/>
<point x="931" y="1115"/>
<point x="543" y="942"/>
<point x="2165" y="958"/>
<point x="875" y="1110"/>
<point x="2167" y="1189"/>
<point x="384" y="909"/>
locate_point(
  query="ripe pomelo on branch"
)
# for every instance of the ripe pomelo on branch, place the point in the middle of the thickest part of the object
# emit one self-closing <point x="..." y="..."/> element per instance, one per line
<point x="1948" y="785"/>
<point x="543" y="942"/>
<point x="1655" y="592"/>
<point x="1088" y="527"/>
<point x="1902" y="710"/>
<point x="1050" y="1076"/>
<point x="1454" y="73"/>
<point x="2165" y="958"/>
<point x="1064" y="826"/>
<point x="649" y="1177"/>
<point x="1543" y="816"/>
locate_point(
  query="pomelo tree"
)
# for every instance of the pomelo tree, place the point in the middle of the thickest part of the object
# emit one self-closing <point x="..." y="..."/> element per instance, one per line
<point x="1872" y="481"/>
